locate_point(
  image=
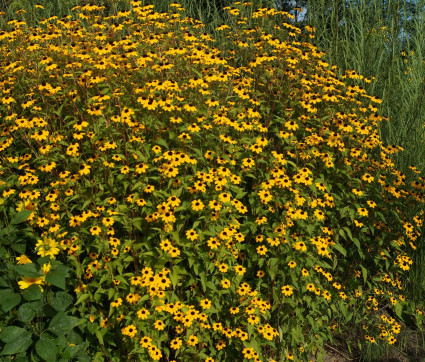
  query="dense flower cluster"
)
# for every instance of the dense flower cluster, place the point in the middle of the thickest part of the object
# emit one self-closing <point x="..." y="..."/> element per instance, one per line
<point x="212" y="202"/>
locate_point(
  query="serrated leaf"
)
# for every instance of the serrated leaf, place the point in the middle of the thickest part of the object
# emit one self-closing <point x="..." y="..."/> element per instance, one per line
<point x="27" y="270"/>
<point x="21" y="216"/>
<point x="57" y="278"/>
<point x="161" y="142"/>
<point x="27" y="312"/>
<point x="10" y="301"/>
<point x="33" y="292"/>
<point x="18" y="345"/>
<point x="82" y="298"/>
<point x="364" y="272"/>
<point x="46" y="349"/>
<point x="19" y="247"/>
<point x="10" y="333"/>
<point x="62" y="323"/>
<point x="340" y="249"/>
<point x="61" y="301"/>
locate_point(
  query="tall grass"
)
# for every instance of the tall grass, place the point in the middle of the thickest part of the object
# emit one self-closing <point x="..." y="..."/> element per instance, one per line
<point x="209" y="12"/>
<point x="384" y="40"/>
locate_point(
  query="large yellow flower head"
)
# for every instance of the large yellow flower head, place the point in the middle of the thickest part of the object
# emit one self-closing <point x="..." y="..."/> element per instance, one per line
<point x="28" y="281"/>
<point x="47" y="247"/>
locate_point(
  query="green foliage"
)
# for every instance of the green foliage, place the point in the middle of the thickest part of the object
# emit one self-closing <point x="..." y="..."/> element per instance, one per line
<point x="40" y="317"/>
<point x="170" y="195"/>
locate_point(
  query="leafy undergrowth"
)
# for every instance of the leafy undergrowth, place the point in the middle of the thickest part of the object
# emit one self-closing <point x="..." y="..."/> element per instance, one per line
<point x="166" y="195"/>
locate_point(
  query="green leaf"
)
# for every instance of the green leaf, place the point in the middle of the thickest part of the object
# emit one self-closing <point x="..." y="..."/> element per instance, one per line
<point x="21" y="216"/>
<point x="61" y="301"/>
<point x="10" y="301"/>
<point x="18" y="345"/>
<point x="357" y="243"/>
<point x="27" y="312"/>
<point x="10" y="333"/>
<point x="62" y="323"/>
<point x="19" y="247"/>
<point x="70" y="352"/>
<point x="33" y="292"/>
<point x="161" y="142"/>
<point x="46" y="349"/>
<point x="204" y="282"/>
<point x="27" y="270"/>
<point x="398" y="309"/>
<point x="82" y="298"/>
<point x="340" y="249"/>
<point x="364" y="272"/>
<point x="57" y="277"/>
<point x="348" y="231"/>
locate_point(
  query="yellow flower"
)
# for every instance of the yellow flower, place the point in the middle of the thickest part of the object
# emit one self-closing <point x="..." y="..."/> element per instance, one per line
<point x="287" y="290"/>
<point x="292" y="264"/>
<point x="45" y="268"/>
<point x="261" y="250"/>
<point x="23" y="259"/>
<point x="197" y="205"/>
<point x="192" y="235"/>
<point x="291" y="125"/>
<point x="225" y="283"/>
<point x="143" y="313"/>
<point x="368" y="178"/>
<point x="129" y="331"/>
<point x="84" y="169"/>
<point x="205" y="303"/>
<point x="95" y="230"/>
<point x="28" y="281"/>
<point x="145" y="342"/>
<point x="192" y="340"/>
<point x="116" y="303"/>
<point x="176" y="343"/>
<point x="7" y="100"/>
<point x="362" y="211"/>
<point x="107" y="221"/>
<point x="47" y="247"/>
<point x="240" y="270"/>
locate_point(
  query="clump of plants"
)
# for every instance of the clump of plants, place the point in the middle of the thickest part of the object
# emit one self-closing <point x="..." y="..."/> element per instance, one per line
<point x="167" y="195"/>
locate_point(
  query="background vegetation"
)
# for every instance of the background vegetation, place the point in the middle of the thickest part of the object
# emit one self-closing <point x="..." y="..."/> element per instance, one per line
<point x="379" y="39"/>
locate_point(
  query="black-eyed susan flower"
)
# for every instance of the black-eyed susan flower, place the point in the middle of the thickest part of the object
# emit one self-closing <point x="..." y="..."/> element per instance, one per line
<point x="326" y="295"/>
<point x="132" y="298"/>
<point x="192" y="235"/>
<point x="287" y="290"/>
<point x="192" y="340"/>
<point x="225" y="283"/>
<point x="108" y="221"/>
<point x="262" y="250"/>
<point x="159" y="325"/>
<point x="116" y="303"/>
<point x="176" y="343"/>
<point x="205" y="303"/>
<point x="239" y="269"/>
<point x="362" y="211"/>
<point x="130" y="330"/>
